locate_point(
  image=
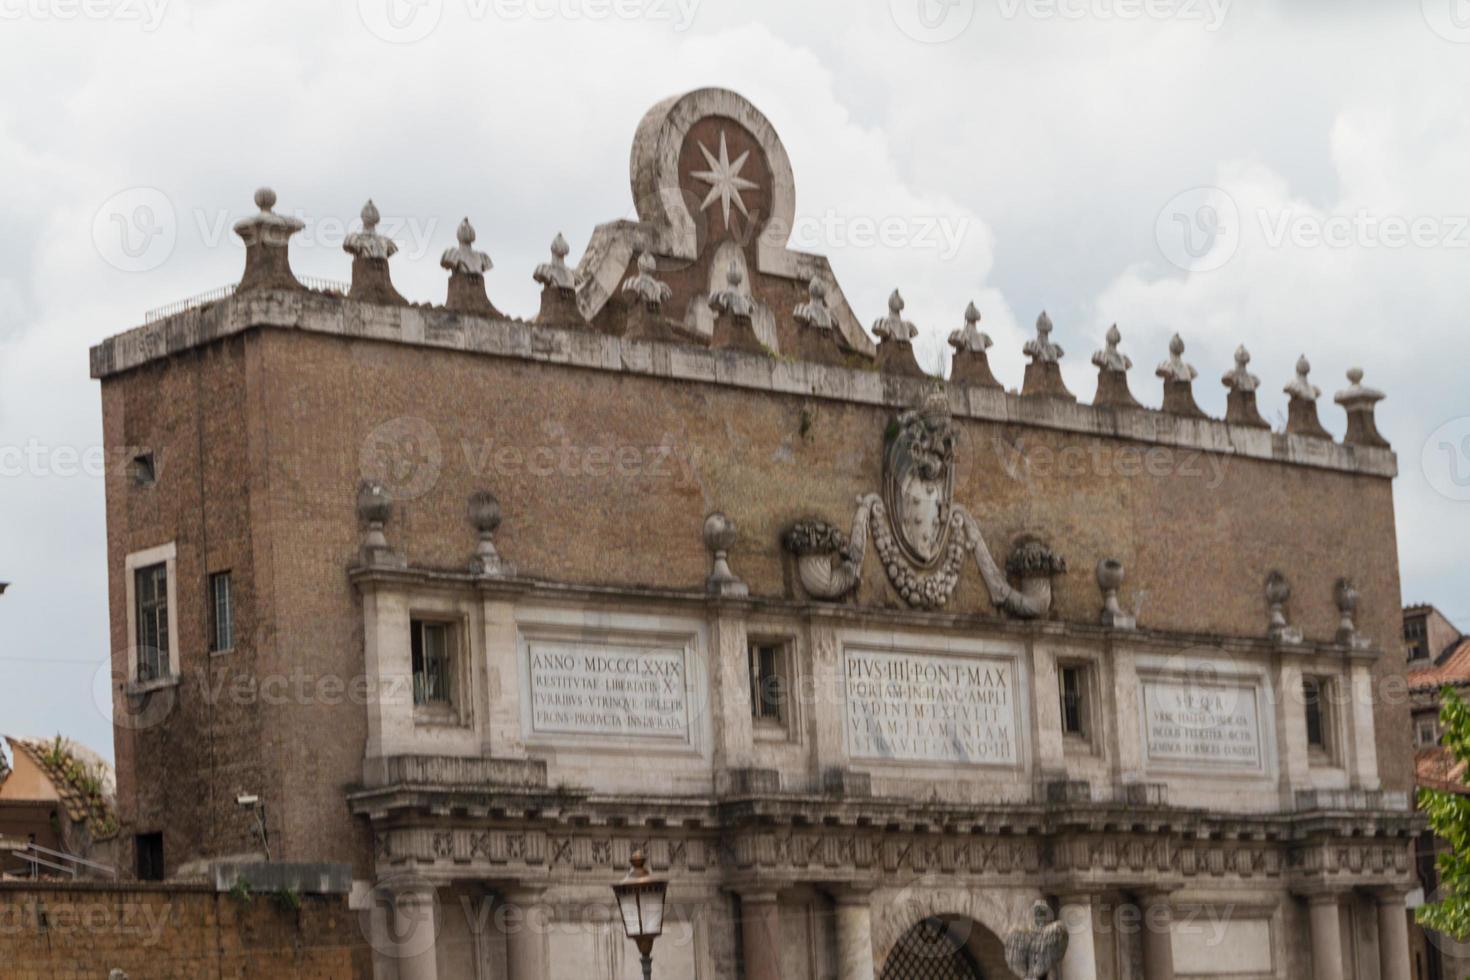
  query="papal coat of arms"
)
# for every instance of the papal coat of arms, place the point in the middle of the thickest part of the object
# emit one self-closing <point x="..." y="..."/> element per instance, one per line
<point x="921" y="535"/>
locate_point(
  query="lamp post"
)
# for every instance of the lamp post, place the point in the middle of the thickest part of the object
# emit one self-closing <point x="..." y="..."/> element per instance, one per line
<point x="641" y="901"/>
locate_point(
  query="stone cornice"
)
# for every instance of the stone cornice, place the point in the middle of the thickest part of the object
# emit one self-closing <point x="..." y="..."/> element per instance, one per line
<point x="435" y="787"/>
<point x="698" y="602"/>
<point x="435" y="327"/>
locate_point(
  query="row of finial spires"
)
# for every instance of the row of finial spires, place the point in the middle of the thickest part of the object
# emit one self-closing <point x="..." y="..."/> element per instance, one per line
<point x="270" y="268"/>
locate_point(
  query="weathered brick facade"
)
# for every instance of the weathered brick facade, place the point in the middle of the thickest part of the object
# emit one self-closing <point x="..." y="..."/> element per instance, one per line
<point x="607" y="444"/>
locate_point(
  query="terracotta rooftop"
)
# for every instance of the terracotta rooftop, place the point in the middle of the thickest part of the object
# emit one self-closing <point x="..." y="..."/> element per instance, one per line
<point x="1451" y="667"/>
<point x="1436" y="768"/>
<point x="83" y="781"/>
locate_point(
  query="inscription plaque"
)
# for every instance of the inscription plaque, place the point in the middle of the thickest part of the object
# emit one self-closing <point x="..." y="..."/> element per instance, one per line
<point x="593" y="689"/>
<point x="926" y="708"/>
<point x="1202" y="724"/>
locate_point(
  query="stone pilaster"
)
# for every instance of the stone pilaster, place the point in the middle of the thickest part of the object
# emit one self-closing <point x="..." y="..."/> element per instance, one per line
<point x="524" y="917"/>
<point x="1326" y="927"/>
<point x="415" y="929"/>
<point x="1080" y="963"/>
<point x="1158" y="935"/>
<point x="854" y="933"/>
<point x="1393" y="936"/>
<point x="760" y="935"/>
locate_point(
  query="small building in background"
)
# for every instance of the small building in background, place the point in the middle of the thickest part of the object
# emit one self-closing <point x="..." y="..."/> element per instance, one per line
<point x="57" y="795"/>
<point x="1439" y="657"/>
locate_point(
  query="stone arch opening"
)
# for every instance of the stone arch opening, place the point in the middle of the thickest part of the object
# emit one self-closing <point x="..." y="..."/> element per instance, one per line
<point x="942" y="947"/>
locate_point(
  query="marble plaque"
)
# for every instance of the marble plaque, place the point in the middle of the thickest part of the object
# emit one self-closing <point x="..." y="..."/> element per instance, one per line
<point x="597" y="689"/>
<point x="929" y="708"/>
<point x="1216" y="725"/>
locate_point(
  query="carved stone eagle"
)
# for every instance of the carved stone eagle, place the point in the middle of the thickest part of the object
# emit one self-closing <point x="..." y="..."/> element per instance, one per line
<point x="1033" y="952"/>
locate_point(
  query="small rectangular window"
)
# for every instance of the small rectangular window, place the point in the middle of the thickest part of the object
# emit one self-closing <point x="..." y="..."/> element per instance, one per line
<point x="1426" y="733"/>
<point x="150" y="587"/>
<point x="1316" y="714"/>
<point x="145" y="474"/>
<point x="432" y="650"/>
<point x="222" y="611"/>
<point x="149" y="848"/>
<point x="768" y="682"/>
<point x="1073" y="683"/>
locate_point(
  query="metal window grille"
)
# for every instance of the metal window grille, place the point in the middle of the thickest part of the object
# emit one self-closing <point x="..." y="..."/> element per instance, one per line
<point x="150" y="587"/>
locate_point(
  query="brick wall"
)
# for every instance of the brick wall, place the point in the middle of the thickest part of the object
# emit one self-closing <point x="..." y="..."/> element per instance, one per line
<point x="173" y="932"/>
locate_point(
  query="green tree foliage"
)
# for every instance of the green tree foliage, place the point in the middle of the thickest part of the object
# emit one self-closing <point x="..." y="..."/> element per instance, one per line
<point x="1449" y="816"/>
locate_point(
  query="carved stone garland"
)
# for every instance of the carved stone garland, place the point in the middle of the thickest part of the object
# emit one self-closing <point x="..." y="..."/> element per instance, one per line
<point x="920" y="533"/>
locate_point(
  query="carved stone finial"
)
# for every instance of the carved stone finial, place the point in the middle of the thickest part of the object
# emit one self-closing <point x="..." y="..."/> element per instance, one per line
<point x="894" y="326"/>
<point x="558" y="289"/>
<point x="1110" y="358"/>
<point x="1278" y="593"/>
<point x="370" y="252"/>
<point x="815" y="313"/>
<point x="1345" y="593"/>
<point x="1041" y="349"/>
<point x="1361" y="402"/>
<point x="1179" y="381"/>
<point x="464" y="257"/>
<point x="1174" y="369"/>
<point x="1110" y="580"/>
<point x="971" y="338"/>
<point x="267" y="237"/>
<point x="971" y="363"/>
<point x="719" y="538"/>
<point x="895" y="341"/>
<point x="555" y="274"/>
<point x="644" y="287"/>
<point x="375" y="509"/>
<point x="1240" y="378"/>
<point x="732" y="300"/>
<point x="1241" y="402"/>
<point x="1301" y="412"/>
<point x="467" y="267"/>
<point x="734" y="327"/>
<point x="1112" y="374"/>
<point x="485" y="516"/>
<point x="1033" y="951"/>
<point x="1044" y="373"/>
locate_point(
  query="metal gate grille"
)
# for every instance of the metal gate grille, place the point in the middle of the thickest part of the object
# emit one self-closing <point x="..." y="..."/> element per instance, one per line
<point x="929" y="952"/>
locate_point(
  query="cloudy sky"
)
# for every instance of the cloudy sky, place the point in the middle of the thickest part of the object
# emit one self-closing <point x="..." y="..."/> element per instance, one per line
<point x="1285" y="173"/>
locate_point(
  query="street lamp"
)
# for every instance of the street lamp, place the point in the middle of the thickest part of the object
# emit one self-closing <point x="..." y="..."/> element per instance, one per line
<point x="641" y="900"/>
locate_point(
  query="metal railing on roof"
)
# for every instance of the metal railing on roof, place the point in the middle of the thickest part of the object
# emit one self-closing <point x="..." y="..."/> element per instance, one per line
<point x="215" y="295"/>
<point x="39" y="857"/>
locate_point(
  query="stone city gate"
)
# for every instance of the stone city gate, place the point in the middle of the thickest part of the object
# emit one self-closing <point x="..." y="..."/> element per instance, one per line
<point x="931" y="950"/>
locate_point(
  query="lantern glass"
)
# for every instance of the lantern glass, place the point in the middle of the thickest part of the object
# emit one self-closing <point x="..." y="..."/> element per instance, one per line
<point x="641" y="902"/>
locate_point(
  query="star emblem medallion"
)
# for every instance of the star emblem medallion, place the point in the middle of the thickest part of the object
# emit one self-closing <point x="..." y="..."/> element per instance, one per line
<point x="724" y="180"/>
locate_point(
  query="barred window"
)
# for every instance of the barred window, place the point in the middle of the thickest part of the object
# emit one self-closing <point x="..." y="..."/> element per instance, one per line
<point x="150" y="588"/>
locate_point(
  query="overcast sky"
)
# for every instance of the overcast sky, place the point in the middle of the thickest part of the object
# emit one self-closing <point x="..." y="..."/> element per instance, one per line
<point x="1291" y="175"/>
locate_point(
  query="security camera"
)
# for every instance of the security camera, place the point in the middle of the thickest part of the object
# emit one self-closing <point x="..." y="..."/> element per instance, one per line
<point x="247" y="800"/>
